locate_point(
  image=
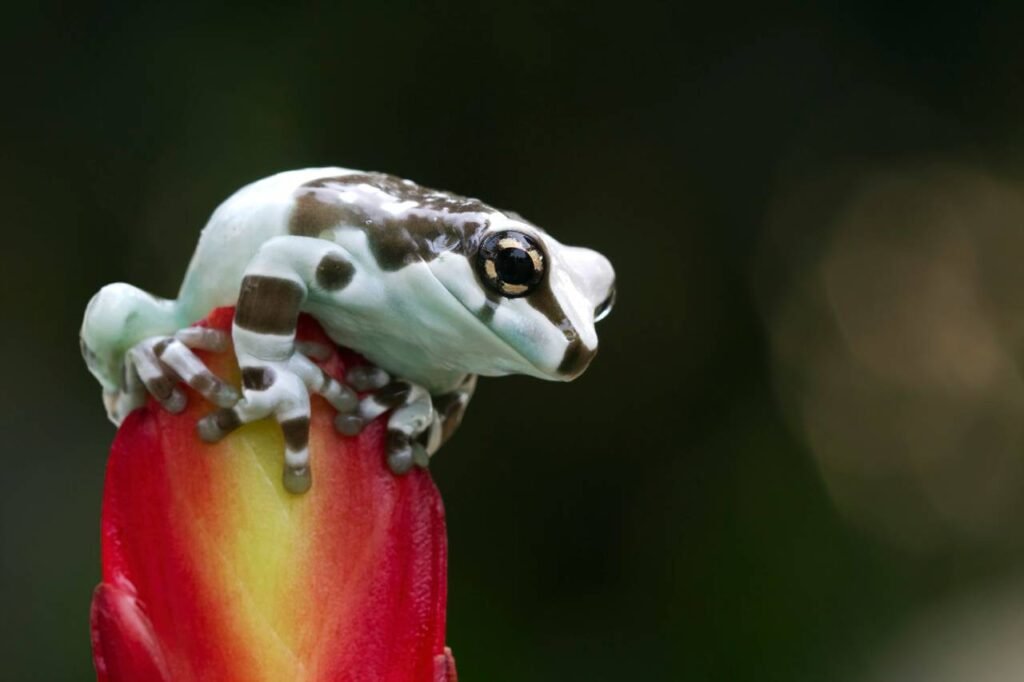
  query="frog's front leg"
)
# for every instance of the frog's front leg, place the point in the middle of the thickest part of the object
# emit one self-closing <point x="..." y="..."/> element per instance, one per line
<point x="276" y="379"/>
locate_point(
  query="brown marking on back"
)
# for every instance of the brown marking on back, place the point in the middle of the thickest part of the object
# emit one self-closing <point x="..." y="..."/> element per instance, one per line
<point x="407" y="190"/>
<point x="437" y="224"/>
<point x="269" y="305"/>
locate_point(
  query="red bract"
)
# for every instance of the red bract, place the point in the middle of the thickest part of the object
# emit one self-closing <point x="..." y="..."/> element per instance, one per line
<point x="212" y="571"/>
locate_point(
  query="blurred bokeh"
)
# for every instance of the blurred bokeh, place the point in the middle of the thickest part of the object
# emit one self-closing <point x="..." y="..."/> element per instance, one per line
<point x="800" y="453"/>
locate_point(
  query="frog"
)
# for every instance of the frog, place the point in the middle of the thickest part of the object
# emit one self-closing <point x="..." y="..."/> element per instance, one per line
<point x="432" y="288"/>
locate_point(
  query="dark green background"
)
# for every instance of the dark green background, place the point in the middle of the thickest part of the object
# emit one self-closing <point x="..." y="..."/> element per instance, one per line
<point x="660" y="519"/>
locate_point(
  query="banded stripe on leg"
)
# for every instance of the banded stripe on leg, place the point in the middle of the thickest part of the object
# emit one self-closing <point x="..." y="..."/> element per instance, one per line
<point x="277" y="379"/>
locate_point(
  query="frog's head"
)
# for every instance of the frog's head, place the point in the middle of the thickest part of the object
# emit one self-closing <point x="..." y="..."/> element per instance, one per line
<point x="538" y="297"/>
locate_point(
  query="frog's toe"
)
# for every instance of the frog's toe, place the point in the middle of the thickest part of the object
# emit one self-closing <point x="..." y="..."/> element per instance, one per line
<point x="341" y="397"/>
<point x="179" y="358"/>
<point x="160" y="383"/>
<point x="214" y="426"/>
<point x="297" y="479"/>
<point x="367" y="378"/>
<point x="400" y="455"/>
<point x="349" y="424"/>
<point x="419" y="455"/>
<point x="351" y="417"/>
<point x="404" y="453"/>
<point x="202" y="338"/>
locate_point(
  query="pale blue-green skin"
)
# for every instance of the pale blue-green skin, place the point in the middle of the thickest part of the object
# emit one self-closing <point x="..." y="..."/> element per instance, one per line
<point x="421" y="322"/>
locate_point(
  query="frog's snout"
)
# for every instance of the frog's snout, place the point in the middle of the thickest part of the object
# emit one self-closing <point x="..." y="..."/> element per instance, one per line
<point x="588" y="296"/>
<point x="577" y="355"/>
<point x="576" y="359"/>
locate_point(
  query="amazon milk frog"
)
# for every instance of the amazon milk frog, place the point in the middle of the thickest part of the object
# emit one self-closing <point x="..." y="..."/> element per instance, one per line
<point x="431" y="287"/>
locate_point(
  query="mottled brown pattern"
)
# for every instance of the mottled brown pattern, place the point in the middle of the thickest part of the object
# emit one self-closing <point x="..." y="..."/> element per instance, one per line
<point x="406" y="190"/>
<point x="269" y="305"/>
<point x="396" y="243"/>
<point x="438" y="227"/>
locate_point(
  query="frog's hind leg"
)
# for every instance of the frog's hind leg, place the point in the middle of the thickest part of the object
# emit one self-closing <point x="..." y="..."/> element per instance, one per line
<point x="119" y="317"/>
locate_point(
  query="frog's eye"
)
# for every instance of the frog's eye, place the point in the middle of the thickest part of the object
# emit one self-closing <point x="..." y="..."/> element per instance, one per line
<point x="511" y="263"/>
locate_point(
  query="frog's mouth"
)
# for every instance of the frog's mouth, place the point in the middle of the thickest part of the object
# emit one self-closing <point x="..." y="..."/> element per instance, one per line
<point x="536" y="370"/>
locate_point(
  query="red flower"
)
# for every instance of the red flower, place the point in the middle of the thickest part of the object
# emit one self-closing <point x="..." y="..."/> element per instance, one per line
<point x="212" y="571"/>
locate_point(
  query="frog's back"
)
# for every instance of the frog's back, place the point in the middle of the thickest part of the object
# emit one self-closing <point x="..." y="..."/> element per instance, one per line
<point x="250" y="217"/>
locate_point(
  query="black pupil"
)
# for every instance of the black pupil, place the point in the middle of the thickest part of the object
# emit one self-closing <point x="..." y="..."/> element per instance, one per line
<point x="514" y="266"/>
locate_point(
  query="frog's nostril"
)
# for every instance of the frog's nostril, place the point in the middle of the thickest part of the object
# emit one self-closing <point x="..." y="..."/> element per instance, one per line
<point x="602" y="310"/>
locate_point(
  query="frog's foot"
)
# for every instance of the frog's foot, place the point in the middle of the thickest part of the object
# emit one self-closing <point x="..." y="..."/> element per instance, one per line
<point x="158" y="363"/>
<point x="281" y="389"/>
<point x="418" y="423"/>
<point x="409" y="426"/>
